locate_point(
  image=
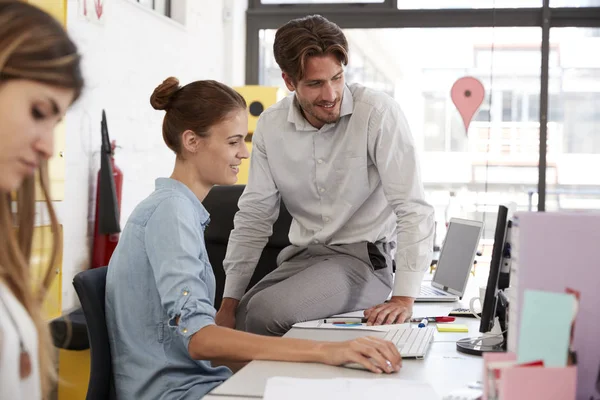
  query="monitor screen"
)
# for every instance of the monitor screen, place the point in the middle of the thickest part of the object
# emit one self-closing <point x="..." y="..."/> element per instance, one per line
<point x="458" y="252"/>
<point x="488" y="313"/>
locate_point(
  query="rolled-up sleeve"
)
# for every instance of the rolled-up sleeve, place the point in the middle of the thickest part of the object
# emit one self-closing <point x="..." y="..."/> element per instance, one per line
<point x="396" y="159"/>
<point x="174" y="242"/>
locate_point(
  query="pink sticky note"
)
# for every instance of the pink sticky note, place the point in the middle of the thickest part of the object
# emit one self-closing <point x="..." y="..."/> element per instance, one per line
<point x="467" y="94"/>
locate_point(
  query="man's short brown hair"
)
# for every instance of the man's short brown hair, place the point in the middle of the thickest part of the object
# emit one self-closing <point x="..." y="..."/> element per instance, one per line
<point x="306" y="37"/>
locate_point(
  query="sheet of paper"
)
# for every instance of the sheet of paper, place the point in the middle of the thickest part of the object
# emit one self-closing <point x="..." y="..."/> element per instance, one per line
<point x="283" y="388"/>
<point x="319" y="324"/>
<point x="351" y="314"/>
<point x="545" y="327"/>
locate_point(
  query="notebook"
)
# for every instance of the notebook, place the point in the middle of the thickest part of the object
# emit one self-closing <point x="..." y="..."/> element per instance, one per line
<point x="455" y="263"/>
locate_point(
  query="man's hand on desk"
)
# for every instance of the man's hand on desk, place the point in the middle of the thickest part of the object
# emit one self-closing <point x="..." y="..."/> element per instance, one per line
<point x="396" y="311"/>
<point x="226" y="315"/>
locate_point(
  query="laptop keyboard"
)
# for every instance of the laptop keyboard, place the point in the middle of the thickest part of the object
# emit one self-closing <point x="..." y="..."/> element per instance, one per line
<point x="411" y="342"/>
<point x="428" y="291"/>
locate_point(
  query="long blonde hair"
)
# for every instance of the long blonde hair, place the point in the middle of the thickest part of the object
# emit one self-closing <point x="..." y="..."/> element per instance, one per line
<point x="33" y="46"/>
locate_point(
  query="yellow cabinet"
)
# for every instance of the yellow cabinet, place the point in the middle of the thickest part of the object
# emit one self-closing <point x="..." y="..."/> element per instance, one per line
<point x="41" y="251"/>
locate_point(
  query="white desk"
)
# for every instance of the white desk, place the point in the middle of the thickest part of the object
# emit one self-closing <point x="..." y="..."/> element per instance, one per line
<point x="443" y="367"/>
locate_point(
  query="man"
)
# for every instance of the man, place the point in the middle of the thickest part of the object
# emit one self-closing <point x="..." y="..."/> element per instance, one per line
<point x="343" y="161"/>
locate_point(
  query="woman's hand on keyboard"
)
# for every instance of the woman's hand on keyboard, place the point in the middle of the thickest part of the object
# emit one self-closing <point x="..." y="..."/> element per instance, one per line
<point x="375" y="354"/>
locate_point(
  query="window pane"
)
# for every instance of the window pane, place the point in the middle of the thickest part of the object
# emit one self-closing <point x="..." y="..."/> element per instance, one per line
<point x="162" y="7"/>
<point x="496" y="161"/>
<point x="318" y="1"/>
<point x="146" y="3"/>
<point x="574" y="117"/>
<point x="441" y="4"/>
<point x="574" y="3"/>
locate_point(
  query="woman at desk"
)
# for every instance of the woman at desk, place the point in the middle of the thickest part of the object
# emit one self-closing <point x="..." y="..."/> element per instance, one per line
<point x="160" y="286"/>
<point x="40" y="77"/>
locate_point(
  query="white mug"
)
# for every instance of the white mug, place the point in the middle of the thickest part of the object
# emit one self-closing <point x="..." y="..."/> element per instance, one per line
<point x="481" y="298"/>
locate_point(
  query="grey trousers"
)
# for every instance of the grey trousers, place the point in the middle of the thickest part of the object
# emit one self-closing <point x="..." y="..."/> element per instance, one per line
<point x="315" y="282"/>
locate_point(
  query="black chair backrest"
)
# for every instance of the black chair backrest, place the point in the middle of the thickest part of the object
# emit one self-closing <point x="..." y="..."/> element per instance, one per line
<point x="222" y="204"/>
<point x="90" y="286"/>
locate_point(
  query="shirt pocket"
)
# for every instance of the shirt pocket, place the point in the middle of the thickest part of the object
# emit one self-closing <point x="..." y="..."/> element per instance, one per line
<point x="351" y="176"/>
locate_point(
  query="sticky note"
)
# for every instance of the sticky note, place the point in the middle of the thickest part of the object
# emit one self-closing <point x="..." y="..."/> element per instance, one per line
<point x="545" y="328"/>
<point x="452" y="328"/>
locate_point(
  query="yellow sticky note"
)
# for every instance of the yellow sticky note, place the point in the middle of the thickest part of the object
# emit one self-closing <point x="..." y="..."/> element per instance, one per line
<point x="452" y="328"/>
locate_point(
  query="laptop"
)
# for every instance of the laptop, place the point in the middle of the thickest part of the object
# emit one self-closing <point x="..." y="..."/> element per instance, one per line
<point x="411" y="342"/>
<point x="455" y="262"/>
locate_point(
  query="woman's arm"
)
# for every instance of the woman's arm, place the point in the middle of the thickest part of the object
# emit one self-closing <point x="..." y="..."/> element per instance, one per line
<point x="215" y="342"/>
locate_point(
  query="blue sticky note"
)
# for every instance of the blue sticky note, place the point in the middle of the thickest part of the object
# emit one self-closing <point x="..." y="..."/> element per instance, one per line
<point x="545" y="328"/>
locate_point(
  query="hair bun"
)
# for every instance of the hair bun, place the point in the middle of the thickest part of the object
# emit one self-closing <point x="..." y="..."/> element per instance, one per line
<point x="163" y="94"/>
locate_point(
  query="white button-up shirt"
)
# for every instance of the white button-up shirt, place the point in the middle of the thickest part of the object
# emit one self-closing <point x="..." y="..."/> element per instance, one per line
<point x="355" y="180"/>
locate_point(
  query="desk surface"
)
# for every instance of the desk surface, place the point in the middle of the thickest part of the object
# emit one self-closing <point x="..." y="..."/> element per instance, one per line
<point x="443" y="367"/>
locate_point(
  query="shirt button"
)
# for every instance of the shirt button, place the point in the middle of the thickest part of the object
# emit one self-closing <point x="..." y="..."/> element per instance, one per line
<point x="184" y="330"/>
<point x="316" y="241"/>
<point x="185" y="292"/>
<point x="326" y="219"/>
<point x="319" y="161"/>
<point x="321" y="190"/>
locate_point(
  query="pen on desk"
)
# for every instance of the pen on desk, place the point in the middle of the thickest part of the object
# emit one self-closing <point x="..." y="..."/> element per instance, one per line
<point x="350" y="320"/>
<point x="433" y="319"/>
<point x="423" y="323"/>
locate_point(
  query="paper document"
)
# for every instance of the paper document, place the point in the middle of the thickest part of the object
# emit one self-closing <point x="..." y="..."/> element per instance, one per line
<point x="319" y="324"/>
<point x="351" y="314"/>
<point x="283" y="388"/>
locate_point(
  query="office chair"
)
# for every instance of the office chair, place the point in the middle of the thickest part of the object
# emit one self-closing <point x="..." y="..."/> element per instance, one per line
<point x="221" y="204"/>
<point x="90" y="286"/>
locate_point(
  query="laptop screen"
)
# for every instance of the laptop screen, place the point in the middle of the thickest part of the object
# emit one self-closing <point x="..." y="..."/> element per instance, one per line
<point x="458" y="252"/>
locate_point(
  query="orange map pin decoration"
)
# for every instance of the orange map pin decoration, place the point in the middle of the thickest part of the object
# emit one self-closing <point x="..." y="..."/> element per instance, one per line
<point x="467" y="95"/>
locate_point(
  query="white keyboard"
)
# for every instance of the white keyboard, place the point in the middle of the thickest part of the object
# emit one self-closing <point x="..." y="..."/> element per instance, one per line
<point x="411" y="342"/>
<point x="428" y="291"/>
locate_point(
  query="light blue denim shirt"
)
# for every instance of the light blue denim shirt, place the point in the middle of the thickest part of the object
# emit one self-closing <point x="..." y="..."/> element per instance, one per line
<point x="159" y="271"/>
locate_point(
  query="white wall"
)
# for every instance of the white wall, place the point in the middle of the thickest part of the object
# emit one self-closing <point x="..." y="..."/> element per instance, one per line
<point x="124" y="59"/>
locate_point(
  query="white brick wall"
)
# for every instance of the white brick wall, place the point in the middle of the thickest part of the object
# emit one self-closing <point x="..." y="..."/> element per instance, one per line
<point x="124" y="59"/>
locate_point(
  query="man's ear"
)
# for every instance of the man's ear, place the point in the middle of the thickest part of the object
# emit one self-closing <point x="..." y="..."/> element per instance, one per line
<point x="190" y="141"/>
<point x="289" y="82"/>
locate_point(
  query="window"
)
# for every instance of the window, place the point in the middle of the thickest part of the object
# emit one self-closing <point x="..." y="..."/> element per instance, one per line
<point x="440" y="4"/>
<point x="574" y="3"/>
<point x="318" y="1"/>
<point x="162" y="7"/>
<point x="574" y="119"/>
<point x="499" y="154"/>
<point x="417" y="55"/>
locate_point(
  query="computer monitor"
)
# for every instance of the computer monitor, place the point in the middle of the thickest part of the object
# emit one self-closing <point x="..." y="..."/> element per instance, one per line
<point x="495" y="303"/>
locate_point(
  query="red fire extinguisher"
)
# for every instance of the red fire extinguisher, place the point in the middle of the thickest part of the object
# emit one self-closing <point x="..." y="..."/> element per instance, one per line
<point x="108" y="204"/>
